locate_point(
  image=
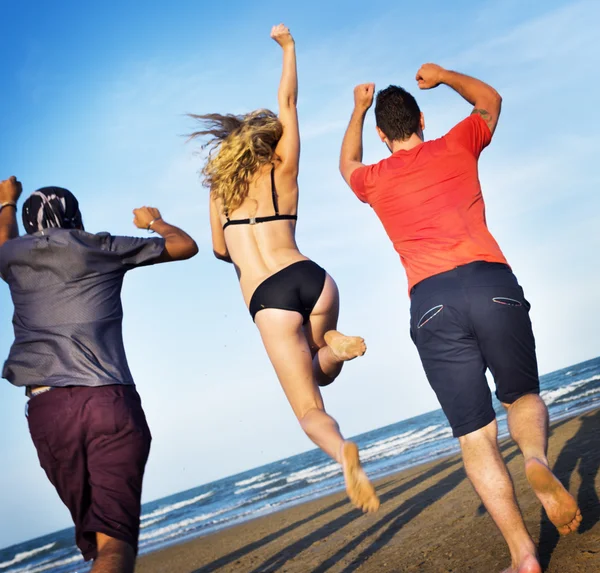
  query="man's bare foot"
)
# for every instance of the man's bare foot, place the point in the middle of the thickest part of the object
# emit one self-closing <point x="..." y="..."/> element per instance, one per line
<point x="345" y="347"/>
<point x="359" y="488"/>
<point x="527" y="565"/>
<point x="559" y="504"/>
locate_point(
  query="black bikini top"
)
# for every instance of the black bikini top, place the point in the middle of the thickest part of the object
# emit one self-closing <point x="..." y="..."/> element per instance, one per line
<point x="255" y="220"/>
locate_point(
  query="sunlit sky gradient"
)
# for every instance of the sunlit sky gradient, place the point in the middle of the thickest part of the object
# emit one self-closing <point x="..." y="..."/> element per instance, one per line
<point x="93" y="99"/>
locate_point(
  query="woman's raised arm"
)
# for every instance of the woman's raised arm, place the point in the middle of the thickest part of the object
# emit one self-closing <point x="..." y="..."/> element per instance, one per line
<point x="288" y="148"/>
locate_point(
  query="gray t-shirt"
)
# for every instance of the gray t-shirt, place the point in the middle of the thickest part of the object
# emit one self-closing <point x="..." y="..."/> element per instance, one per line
<point x="66" y="288"/>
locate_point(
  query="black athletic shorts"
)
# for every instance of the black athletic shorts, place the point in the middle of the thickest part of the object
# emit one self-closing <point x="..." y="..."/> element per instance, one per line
<point x="465" y="321"/>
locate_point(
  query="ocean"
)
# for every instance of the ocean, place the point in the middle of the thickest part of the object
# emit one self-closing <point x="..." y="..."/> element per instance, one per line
<point x="294" y="480"/>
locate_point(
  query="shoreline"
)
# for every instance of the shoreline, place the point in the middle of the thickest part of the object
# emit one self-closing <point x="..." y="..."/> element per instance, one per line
<point x="339" y="489"/>
<point x="422" y="533"/>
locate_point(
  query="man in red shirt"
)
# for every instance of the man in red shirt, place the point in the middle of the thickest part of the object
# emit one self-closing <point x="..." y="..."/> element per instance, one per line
<point x="468" y="312"/>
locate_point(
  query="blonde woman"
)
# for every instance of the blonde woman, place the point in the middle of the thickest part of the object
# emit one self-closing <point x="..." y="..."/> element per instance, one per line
<point x="252" y="173"/>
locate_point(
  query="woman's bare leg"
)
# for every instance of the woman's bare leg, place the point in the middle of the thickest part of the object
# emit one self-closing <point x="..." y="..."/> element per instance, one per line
<point x="329" y="347"/>
<point x="288" y="349"/>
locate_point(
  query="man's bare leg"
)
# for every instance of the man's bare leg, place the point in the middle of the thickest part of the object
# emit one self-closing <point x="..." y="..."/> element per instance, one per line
<point x="491" y="480"/>
<point x="114" y="556"/>
<point x="528" y="425"/>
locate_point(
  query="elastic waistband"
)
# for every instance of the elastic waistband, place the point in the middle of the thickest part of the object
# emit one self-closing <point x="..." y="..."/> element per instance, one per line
<point x="461" y="274"/>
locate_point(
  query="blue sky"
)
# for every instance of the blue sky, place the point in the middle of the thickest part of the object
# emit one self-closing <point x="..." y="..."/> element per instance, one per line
<point x="92" y="98"/>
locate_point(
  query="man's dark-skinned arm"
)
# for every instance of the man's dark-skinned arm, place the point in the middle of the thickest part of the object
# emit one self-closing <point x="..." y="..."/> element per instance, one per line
<point x="179" y="246"/>
<point x="10" y="191"/>
<point x="352" y="146"/>
<point x="483" y="97"/>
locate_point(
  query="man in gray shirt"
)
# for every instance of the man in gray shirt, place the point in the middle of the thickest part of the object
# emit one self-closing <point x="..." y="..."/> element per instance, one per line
<point x="84" y="414"/>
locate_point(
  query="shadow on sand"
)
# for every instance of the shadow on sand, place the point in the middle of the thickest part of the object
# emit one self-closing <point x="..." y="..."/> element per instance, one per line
<point x="581" y="452"/>
<point x="277" y="560"/>
<point x="391" y="523"/>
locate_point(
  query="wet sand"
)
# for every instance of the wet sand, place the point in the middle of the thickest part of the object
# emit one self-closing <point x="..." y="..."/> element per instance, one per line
<point x="430" y="521"/>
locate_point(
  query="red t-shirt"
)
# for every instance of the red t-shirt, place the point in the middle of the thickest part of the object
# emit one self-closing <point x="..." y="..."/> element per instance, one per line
<point x="430" y="203"/>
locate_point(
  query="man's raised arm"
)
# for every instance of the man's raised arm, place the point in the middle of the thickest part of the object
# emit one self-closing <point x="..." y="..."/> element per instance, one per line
<point x="484" y="98"/>
<point x="179" y="246"/>
<point x="10" y="191"/>
<point x="352" y="147"/>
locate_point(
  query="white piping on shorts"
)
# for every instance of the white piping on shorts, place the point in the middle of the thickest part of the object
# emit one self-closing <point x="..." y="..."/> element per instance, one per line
<point x="507" y="301"/>
<point x="435" y="310"/>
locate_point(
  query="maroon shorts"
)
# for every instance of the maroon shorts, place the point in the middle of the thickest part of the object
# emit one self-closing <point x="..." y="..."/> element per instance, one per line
<point x="93" y="444"/>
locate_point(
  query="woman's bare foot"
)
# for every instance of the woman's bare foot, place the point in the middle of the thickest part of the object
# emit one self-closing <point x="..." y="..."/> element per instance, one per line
<point x="345" y="347"/>
<point x="359" y="488"/>
<point x="559" y="504"/>
<point x="529" y="564"/>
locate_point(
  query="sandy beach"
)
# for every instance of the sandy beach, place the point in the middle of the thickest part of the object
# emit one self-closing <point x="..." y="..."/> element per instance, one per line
<point x="430" y="521"/>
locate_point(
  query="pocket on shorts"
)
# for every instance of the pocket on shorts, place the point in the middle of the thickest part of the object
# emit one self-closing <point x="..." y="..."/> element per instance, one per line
<point x="501" y="315"/>
<point x="43" y="428"/>
<point x="110" y="415"/>
<point x="424" y="314"/>
<point x="513" y="298"/>
<point x="45" y="454"/>
<point x="107" y="416"/>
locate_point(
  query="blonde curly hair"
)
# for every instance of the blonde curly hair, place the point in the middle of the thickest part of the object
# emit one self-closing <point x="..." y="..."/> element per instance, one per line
<point x="239" y="146"/>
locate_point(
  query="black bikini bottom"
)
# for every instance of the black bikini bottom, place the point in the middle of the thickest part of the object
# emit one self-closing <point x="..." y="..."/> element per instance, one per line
<point x="297" y="288"/>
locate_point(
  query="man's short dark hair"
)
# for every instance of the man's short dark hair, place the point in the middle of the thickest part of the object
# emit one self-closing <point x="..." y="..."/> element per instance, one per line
<point x="397" y="113"/>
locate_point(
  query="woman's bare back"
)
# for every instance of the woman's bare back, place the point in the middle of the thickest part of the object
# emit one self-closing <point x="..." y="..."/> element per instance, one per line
<point x="260" y="249"/>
